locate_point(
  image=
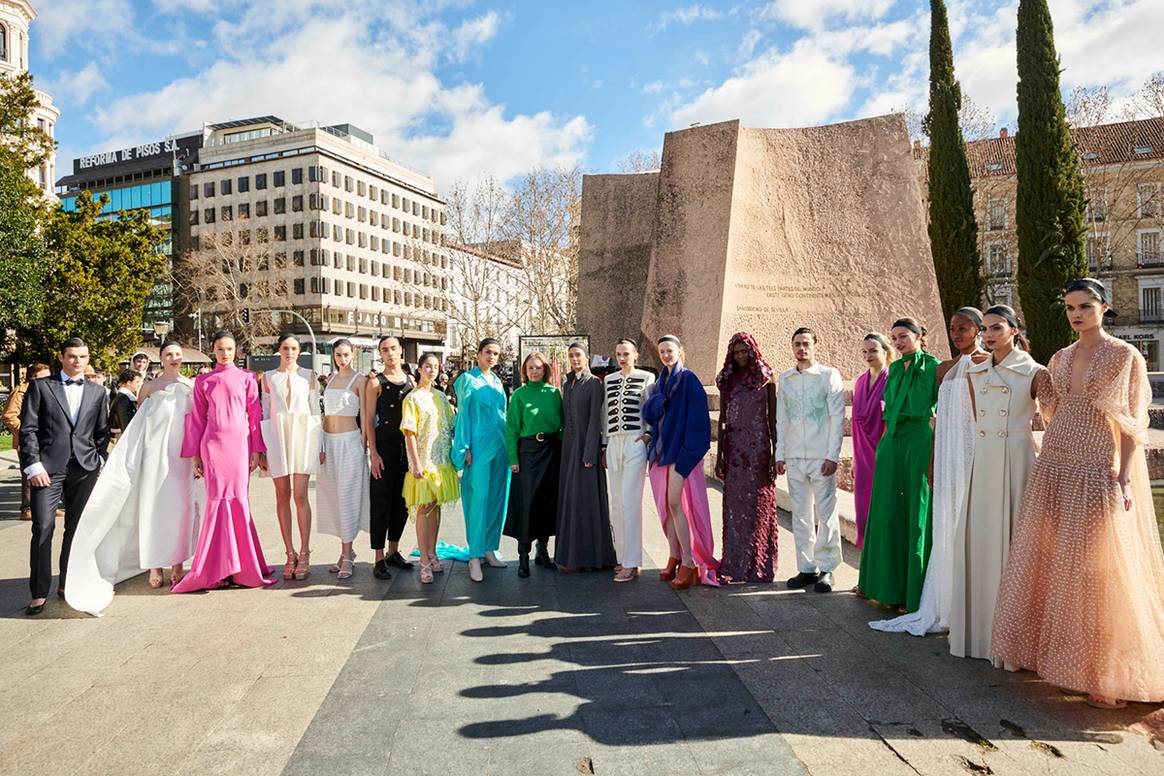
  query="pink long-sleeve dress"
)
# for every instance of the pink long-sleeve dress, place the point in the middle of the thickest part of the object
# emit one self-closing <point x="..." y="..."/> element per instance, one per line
<point x="223" y="427"/>
<point x="868" y="426"/>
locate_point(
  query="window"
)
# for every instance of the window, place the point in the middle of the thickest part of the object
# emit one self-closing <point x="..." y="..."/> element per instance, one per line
<point x="395" y="200"/>
<point x="395" y="273"/>
<point x="244" y="237"/>
<point x="4" y="43"/>
<point x="1149" y="197"/>
<point x="208" y="215"/>
<point x="375" y="269"/>
<point x="281" y="260"/>
<point x="193" y="191"/>
<point x="415" y="208"/>
<point x="349" y="210"/>
<point x="337" y="233"/>
<point x="373" y="218"/>
<point x="337" y="206"/>
<point x="363" y="266"/>
<point x="424" y="212"/>
<point x="224" y="186"/>
<point x="374" y="243"/>
<point x="227" y="213"/>
<point x="362" y="239"/>
<point x="373" y="192"/>
<point x="208" y="189"/>
<point x="1148" y="248"/>
<point x="298" y="284"/>
<point x="350" y="236"/>
<point x="193" y="218"/>
<point x="1150" y="310"/>
<point x="297" y="203"/>
<point x="280" y="178"/>
<point x="261" y="181"/>
<point x="361" y="214"/>
<point x="395" y="224"/>
<point x="375" y="293"/>
<point x="351" y="263"/>
<point x="297" y="231"/>
<point x="407" y="275"/>
<point x="363" y="291"/>
<point x="244" y="184"/>
<point x="261" y="208"/>
<point x="996" y="214"/>
<point x="361" y="188"/>
<point x="244" y="210"/>
<point x="316" y="229"/>
<point x="347" y="185"/>
<point x="297" y="257"/>
<point x="1097" y="205"/>
<point x="262" y="234"/>
<point x="297" y="175"/>
<point x="405" y="204"/>
<point x="318" y="257"/>
<point x="281" y="233"/>
<point x="314" y="282"/>
<point x="1098" y="251"/>
<point x="408" y="298"/>
<point x="315" y="174"/>
<point x="351" y="289"/>
<point x="384" y="196"/>
<point x="280" y="205"/>
<point x="337" y="260"/>
<point x="327" y="286"/>
<point x="335" y="179"/>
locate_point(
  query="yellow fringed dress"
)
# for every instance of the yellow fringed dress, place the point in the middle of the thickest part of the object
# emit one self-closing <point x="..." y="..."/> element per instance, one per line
<point x="427" y="415"/>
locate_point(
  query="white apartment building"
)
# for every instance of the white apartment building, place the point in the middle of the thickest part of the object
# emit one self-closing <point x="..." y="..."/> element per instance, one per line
<point x="355" y="239"/>
<point x="487" y="298"/>
<point x="15" y="18"/>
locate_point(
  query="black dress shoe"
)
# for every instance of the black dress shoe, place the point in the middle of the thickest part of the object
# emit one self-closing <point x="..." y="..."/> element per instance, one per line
<point x="543" y="557"/>
<point x="397" y="560"/>
<point x="33" y="611"/>
<point x="523" y="565"/>
<point x="824" y="584"/>
<point x="61" y="594"/>
<point x="380" y="569"/>
<point x="802" y="580"/>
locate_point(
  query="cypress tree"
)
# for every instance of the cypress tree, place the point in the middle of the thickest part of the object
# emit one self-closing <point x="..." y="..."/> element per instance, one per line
<point x="952" y="226"/>
<point x="1051" y="196"/>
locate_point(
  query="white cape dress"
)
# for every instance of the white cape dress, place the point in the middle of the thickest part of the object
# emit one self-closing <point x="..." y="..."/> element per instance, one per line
<point x="145" y="509"/>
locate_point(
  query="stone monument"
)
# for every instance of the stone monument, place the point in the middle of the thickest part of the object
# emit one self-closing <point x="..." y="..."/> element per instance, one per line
<point x="761" y="230"/>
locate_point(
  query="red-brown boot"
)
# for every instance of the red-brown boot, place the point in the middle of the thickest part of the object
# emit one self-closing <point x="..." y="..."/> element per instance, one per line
<point x="668" y="573"/>
<point x="685" y="578"/>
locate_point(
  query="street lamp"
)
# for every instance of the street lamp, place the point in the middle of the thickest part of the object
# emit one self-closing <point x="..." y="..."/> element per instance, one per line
<point x="161" y="329"/>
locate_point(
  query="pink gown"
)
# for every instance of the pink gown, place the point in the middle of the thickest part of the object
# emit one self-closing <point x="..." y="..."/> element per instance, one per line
<point x="223" y="428"/>
<point x="868" y="426"/>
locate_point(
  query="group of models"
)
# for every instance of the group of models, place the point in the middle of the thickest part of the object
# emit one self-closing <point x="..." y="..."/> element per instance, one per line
<point x="1050" y="563"/>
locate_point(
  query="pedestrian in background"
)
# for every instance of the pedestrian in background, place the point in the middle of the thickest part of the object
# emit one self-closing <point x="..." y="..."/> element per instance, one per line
<point x="11" y="419"/>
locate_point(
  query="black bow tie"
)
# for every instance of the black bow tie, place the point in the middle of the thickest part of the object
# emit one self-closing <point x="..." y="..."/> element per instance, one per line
<point x="78" y="381"/>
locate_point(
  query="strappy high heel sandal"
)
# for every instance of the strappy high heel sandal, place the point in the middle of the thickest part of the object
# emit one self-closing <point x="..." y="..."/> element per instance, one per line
<point x="155" y="578"/>
<point x="289" y="566"/>
<point x="346" y="567"/>
<point x="303" y="565"/>
<point x="426" y="573"/>
<point x="435" y="562"/>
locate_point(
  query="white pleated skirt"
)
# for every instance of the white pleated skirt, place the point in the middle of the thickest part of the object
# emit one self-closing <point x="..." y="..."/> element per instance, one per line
<point x="341" y="489"/>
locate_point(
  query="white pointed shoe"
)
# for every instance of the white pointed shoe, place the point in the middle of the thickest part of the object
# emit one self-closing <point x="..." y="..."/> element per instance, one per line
<point x="495" y="562"/>
<point x="475" y="570"/>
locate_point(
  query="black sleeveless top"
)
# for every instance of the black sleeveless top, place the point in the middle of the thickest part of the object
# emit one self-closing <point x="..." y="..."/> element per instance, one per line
<point x="388" y="408"/>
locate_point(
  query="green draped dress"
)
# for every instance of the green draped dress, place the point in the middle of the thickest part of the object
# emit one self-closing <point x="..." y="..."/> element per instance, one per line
<point x="898" y="533"/>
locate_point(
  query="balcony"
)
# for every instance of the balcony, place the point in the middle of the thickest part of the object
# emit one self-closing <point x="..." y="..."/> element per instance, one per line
<point x="1150" y="258"/>
<point x="1151" y="316"/>
<point x="1099" y="266"/>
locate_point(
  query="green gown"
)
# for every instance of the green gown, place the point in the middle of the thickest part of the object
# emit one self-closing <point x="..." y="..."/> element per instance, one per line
<point x="898" y="532"/>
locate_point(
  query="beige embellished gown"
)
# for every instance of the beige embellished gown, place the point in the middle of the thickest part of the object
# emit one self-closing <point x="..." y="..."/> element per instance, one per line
<point x="1004" y="454"/>
<point x="1082" y="597"/>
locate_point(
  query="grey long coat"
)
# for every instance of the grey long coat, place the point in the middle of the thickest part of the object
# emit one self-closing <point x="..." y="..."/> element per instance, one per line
<point x="583" y="536"/>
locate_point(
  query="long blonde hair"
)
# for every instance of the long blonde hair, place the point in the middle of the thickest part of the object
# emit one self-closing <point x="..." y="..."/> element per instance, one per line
<point x="883" y="341"/>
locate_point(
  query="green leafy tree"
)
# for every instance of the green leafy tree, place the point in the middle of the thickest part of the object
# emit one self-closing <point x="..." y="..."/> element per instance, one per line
<point x="952" y="226"/>
<point x="1051" y="195"/>
<point x="23" y="258"/>
<point x="102" y="271"/>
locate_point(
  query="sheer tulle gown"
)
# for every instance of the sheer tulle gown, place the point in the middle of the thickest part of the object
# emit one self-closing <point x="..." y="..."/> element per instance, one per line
<point x="144" y="511"/>
<point x="223" y="428"/>
<point x="1082" y="597"/>
<point x="953" y="456"/>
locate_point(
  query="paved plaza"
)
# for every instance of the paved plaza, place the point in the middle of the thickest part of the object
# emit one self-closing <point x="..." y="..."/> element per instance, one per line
<point x="551" y="675"/>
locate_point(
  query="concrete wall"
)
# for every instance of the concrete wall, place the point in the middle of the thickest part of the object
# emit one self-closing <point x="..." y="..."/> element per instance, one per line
<point x="763" y="230"/>
<point x="687" y="278"/>
<point x="618" y="222"/>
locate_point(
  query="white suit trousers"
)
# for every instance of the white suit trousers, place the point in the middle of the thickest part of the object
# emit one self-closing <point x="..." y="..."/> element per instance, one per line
<point x="626" y="467"/>
<point x="816" y="526"/>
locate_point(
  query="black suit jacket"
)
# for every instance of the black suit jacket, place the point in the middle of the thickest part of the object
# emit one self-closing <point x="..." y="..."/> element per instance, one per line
<point x="121" y="411"/>
<point x="48" y="435"/>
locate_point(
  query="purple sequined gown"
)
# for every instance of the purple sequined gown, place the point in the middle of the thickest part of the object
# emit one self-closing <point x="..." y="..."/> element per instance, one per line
<point x="749" y="493"/>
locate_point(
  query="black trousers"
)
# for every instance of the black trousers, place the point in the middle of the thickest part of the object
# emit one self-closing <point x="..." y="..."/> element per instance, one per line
<point x="389" y="513"/>
<point x="73" y="487"/>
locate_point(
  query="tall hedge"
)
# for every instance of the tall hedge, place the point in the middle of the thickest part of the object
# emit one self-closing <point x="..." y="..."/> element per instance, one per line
<point x="1051" y="195"/>
<point x="952" y="226"/>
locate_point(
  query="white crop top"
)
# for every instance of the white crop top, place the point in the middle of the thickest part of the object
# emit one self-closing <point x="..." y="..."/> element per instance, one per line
<point x="342" y="402"/>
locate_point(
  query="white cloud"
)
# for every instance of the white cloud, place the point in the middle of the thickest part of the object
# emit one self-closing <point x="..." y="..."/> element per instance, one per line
<point x="814" y="14"/>
<point x="473" y="33"/>
<point x="373" y="68"/>
<point x="76" y="88"/>
<point x="685" y="16"/>
<point x="654" y="87"/>
<point x="62" y="22"/>
<point x="806" y="85"/>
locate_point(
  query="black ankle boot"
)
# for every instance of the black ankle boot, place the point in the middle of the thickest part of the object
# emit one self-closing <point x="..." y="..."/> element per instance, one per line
<point x="543" y="557"/>
<point x="523" y="565"/>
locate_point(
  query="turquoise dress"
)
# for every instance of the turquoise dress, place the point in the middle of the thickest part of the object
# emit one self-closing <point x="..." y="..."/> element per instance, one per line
<point x="480" y="430"/>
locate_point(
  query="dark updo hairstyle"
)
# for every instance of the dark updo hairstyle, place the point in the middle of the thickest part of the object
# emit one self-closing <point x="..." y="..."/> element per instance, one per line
<point x="915" y="327"/>
<point x="1096" y="289"/>
<point x="425" y="357"/>
<point x="283" y="338"/>
<point x="221" y="334"/>
<point x="168" y="344"/>
<point x="487" y="342"/>
<point x="340" y="343"/>
<point x="1007" y="313"/>
<point x="972" y="314"/>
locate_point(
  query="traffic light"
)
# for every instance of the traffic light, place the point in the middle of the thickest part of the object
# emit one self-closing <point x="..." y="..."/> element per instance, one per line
<point x="246" y="316"/>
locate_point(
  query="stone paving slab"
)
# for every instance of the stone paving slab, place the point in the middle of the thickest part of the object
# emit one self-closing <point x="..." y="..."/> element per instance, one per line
<point x="554" y="674"/>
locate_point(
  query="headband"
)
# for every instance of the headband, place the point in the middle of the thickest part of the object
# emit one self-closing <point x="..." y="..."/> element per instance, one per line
<point x="1006" y="313"/>
<point x="972" y="314"/>
<point x="906" y="323"/>
<point x="669" y="338"/>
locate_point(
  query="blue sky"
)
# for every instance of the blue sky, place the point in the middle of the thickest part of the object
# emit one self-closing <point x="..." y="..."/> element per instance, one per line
<point x="465" y="88"/>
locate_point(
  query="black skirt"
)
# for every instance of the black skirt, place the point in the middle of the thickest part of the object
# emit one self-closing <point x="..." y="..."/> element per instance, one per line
<point x="533" y="492"/>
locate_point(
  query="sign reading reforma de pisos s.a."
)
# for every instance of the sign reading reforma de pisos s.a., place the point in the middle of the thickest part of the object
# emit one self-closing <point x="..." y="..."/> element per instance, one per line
<point x="144" y="151"/>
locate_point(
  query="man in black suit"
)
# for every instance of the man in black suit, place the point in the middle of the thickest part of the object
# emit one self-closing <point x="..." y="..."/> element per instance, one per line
<point x="64" y="433"/>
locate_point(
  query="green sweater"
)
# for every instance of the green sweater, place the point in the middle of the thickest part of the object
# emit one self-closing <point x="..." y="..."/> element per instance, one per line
<point x="534" y="408"/>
